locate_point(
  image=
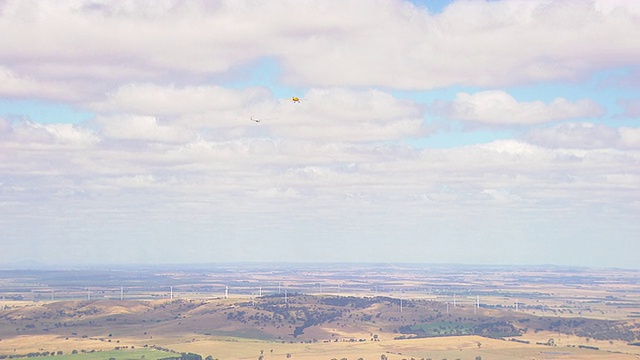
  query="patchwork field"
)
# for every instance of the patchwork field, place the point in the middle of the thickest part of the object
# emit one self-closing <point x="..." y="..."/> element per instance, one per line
<point x="328" y="312"/>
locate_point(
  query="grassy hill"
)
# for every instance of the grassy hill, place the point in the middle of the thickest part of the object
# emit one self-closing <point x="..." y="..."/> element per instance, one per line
<point x="233" y="328"/>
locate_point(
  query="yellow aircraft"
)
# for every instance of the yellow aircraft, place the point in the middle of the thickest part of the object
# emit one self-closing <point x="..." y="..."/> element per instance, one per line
<point x="295" y="99"/>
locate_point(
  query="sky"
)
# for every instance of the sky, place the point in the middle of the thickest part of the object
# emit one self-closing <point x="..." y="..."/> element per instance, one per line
<point x="467" y="132"/>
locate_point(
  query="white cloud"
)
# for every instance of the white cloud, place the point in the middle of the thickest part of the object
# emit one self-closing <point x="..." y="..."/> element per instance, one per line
<point x="323" y="114"/>
<point x="171" y="148"/>
<point x="282" y="184"/>
<point x="31" y="154"/>
<point x="347" y="115"/>
<point x="629" y="137"/>
<point x="585" y="136"/>
<point x="325" y="174"/>
<point x="135" y="181"/>
<point x="105" y="45"/>
<point x="497" y="107"/>
<point x="472" y="43"/>
<point x="10" y="83"/>
<point x="631" y="107"/>
<point x="63" y="136"/>
<point x="23" y="86"/>
<point x="172" y="101"/>
<point x="501" y="196"/>
<point x="141" y="128"/>
<point x="5" y="127"/>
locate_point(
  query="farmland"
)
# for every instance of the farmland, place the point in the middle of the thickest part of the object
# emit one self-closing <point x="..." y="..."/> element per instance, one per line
<point x="321" y="311"/>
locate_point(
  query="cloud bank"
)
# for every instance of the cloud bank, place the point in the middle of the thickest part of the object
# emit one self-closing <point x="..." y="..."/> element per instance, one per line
<point x="496" y="107"/>
<point x="86" y="48"/>
<point x="169" y="165"/>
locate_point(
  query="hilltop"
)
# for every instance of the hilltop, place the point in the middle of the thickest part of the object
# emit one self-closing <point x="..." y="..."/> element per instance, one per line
<point x="296" y="318"/>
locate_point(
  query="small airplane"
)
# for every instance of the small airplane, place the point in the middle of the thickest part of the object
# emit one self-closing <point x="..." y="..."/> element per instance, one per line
<point x="260" y="119"/>
<point x="296" y="99"/>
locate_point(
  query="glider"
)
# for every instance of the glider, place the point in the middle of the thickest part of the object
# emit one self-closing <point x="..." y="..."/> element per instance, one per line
<point x="260" y="119"/>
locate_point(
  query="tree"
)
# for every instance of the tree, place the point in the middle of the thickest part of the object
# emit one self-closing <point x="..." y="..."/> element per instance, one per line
<point x="191" y="356"/>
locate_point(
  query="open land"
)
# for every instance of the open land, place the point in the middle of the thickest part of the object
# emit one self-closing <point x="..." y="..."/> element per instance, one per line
<point x="321" y="311"/>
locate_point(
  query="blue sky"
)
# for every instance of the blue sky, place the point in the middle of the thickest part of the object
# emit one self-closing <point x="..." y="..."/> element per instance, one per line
<point x="42" y="111"/>
<point x="126" y="132"/>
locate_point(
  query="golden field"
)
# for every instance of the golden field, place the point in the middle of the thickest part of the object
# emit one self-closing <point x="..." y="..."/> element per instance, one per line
<point x="586" y="319"/>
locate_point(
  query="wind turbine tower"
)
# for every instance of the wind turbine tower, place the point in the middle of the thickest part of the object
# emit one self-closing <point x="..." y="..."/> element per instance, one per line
<point x="226" y="292"/>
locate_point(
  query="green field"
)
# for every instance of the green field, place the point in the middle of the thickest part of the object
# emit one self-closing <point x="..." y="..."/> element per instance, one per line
<point x="449" y="328"/>
<point x="443" y="328"/>
<point x="124" y="354"/>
